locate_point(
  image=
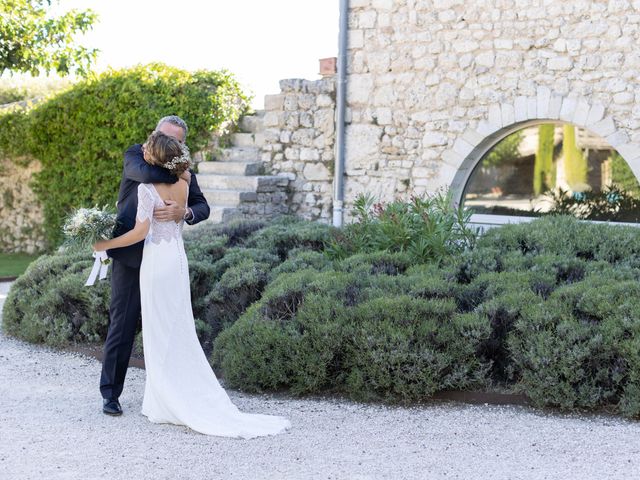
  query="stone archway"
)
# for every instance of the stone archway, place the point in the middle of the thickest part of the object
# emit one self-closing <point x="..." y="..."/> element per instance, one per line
<point x="505" y="118"/>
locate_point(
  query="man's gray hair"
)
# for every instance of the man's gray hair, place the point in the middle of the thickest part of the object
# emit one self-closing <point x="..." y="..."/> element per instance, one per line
<point x="174" y="120"/>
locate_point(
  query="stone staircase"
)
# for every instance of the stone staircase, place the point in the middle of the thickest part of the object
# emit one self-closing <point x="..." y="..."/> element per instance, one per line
<point x="234" y="183"/>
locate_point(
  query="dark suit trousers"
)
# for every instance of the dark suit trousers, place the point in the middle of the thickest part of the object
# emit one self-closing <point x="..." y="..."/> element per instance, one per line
<point x="124" y="314"/>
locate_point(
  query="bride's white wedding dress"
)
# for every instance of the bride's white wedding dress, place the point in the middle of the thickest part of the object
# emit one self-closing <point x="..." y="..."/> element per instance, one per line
<point x="181" y="387"/>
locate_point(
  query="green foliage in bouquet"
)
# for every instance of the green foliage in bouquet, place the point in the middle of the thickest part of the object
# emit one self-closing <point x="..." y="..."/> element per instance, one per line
<point x="86" y="226"/>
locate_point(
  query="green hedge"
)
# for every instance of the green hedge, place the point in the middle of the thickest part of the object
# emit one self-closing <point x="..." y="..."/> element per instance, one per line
<point x="550" y="309"/>
<point x="80" y="135"/>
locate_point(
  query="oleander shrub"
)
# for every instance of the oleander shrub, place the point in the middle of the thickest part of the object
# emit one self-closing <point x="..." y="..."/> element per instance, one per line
<point x="428" y="228"/>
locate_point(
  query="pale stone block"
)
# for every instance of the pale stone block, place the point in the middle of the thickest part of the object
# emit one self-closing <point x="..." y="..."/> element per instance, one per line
<point x="582" y="112"/>
<point x="503" y="44"/>
<point x="629" y="151"/>
<point x="485" y="128"/>
<point x="285" y="136"/>
<point x="355" y="39"/>
<point x="472" y="137"/>
<point x="384" y="116"/>
<point x="508" y="114"/>
<point x="378" y="61"/>
<point x="434" y="139"/>
<point x="604" y="127"/>
<point x="324" y="100"/>
<point x="568" y="109"/>
<point x="367" y="19"/>
<point x="274" y="102"/>
<point x="618" y="138"/>
<point x="520" y="107"/>
<point x="272" y="119"/>
<point x="486" y="59"/>
<point x="452" y="158"/>
<point x="382" y="4"/>
<point x="596" y="113"/>
<point x="623" y="98"/>
<point x="465" y="46"/>
<point x="495" y="115"/>
<point x="462" y="147"/>
<point x="443" y="178"/>
<point x="532" y="107"/>
<point x="362" y="145"/>
<point x="560" y="63"/>
<point x="543" y="99"/>
<point x="555" y="105"/>
<point x="359" y="88"/>
<point x="316" y="171"/>
<point x="309" y="154"/>
<point x="292" y="153"/>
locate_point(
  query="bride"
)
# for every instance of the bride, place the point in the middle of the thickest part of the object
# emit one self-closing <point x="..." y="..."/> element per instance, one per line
<point x="180" y="387"/>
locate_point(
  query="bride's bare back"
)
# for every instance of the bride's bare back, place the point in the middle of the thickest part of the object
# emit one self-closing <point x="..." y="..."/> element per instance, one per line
<point x="176" y="192"/>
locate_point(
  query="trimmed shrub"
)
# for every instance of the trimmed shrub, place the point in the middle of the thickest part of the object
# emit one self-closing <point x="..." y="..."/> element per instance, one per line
<point x="406" y="349"/>
<point x="576" y="350"/>
<point x="288" y="233"/>
<point x="49" y="303"/>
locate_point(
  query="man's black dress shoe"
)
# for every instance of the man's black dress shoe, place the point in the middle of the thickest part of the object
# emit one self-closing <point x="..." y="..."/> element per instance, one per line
<point x="111" y="406"/>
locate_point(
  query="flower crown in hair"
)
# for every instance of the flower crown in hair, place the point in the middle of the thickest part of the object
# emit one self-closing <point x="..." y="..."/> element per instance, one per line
<point x="175" y="161"/>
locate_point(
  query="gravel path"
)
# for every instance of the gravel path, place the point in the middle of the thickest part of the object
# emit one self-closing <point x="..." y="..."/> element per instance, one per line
<point x="51" y="426"/>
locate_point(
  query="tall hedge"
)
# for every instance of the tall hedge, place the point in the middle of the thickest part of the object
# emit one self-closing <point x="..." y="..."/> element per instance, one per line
<point x="80" y="135"/>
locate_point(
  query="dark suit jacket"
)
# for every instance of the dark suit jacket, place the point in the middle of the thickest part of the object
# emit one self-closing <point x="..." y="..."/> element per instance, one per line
<point x="135" y="172"/>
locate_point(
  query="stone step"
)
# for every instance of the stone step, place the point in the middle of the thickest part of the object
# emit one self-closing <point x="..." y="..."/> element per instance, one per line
<point x="239" y="154"/>
<point x="256" y="183"/>
<point x="231" y="168"/>
<point x="247" y="139"/>
<point x="252" y="123"/>
<point x="230" y="198"/>
<point x="221" y="214"/>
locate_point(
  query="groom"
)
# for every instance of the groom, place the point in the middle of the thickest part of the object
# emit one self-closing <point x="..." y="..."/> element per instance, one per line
<point x="124" y="310"/>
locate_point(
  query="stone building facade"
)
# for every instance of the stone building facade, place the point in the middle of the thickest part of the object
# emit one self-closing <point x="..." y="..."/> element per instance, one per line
<point x="434" y="84"/>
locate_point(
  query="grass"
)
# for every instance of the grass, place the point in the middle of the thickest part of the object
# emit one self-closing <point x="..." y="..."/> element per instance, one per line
<point x="14" y="264"/>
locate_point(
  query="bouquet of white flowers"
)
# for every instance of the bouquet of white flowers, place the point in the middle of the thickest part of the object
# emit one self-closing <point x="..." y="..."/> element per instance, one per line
<point x="86" y="226"/>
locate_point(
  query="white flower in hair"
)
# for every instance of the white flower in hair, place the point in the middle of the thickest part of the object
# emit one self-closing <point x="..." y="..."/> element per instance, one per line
<point x="175" y="161"/>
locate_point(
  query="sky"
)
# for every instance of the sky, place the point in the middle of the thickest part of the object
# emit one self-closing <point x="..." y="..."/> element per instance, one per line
<point x="261" y="41"/>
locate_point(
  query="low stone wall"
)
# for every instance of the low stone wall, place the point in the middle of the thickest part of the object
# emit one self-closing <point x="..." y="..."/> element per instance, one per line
<point x="299" y="144"/>
<point x="20" y="212"/>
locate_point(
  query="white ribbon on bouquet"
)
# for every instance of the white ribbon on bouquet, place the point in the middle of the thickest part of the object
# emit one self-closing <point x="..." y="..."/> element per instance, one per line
<point x="100" y="265"/>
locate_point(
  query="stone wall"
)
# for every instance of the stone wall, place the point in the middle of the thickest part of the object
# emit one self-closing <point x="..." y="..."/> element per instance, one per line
<point x="434" y="83"/>
<point x="20" y="213"/>
<point x="299" y="139"/>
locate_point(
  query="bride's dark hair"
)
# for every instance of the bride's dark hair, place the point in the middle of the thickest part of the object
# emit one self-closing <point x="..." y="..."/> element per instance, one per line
<point x="165" y="151"/>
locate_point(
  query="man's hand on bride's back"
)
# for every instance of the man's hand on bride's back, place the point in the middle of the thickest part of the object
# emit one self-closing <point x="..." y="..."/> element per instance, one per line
<point x="171" y="211"/>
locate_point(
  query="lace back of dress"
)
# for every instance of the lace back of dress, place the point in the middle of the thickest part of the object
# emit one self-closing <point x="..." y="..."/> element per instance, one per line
<point x="158" y="231"/>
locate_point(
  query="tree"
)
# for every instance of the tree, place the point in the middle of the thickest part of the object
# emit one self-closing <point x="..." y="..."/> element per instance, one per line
<point x="507" y="150"/>
<point x="575" y="164"/>
<point x="543" y="166"/>
<point x="31" y="40"/>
